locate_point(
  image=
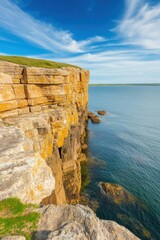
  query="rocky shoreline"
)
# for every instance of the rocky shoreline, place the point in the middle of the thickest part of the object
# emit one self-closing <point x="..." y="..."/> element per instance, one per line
<point x="43" y="116"/>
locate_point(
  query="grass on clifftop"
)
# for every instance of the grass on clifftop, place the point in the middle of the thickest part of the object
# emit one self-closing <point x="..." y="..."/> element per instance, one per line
<point x="17" y="218"/>
<point x="31" y="62"/>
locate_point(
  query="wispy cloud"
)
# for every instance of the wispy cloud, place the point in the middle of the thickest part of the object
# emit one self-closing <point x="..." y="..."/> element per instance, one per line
<point x="117" y="66"/>
<point x="45" y="35"/>
<point x="141" y="24"/>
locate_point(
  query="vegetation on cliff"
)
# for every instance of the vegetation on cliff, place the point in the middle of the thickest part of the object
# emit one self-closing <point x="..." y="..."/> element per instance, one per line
<point x="31" y="62"/>
<point x="84" y="175"/>
<point x="17" y="218"/>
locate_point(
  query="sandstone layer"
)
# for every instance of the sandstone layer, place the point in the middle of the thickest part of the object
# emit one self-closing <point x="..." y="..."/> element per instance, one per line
<point x="43" y="116"/>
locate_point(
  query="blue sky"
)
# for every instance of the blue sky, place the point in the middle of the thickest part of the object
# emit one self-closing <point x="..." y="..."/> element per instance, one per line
<point x="118" y="41"/>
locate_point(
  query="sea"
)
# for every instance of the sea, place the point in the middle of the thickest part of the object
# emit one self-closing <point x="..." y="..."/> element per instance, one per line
<point x="124" y="149"/>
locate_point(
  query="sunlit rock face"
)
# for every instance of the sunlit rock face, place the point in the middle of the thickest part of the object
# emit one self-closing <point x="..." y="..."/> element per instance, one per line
<point x="24" y="173"/>
<point x="49" y="107"/>
<point x="77" y="222"/>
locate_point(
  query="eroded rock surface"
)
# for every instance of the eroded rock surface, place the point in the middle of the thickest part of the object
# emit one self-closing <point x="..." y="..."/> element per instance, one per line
<point x="77" y="222"/>
<point x="23" y="173"/>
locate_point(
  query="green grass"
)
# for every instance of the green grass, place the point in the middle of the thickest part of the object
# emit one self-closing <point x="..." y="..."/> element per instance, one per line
<point x="17" y="218"/>
<point x="31" y="62"/>
<point x="12" y="206"/>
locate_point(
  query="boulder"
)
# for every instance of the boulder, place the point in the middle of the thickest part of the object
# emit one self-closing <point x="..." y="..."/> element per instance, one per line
<point x="101" y="112"/>
<point x="94" y="118"/>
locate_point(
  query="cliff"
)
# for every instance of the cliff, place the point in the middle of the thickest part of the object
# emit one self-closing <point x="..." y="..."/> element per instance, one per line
<point x="43" y="118"/>
<point x="43" y="115"/>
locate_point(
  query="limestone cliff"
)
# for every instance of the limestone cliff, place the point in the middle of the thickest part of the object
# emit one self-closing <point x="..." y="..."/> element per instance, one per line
<point x="43" y="116"/>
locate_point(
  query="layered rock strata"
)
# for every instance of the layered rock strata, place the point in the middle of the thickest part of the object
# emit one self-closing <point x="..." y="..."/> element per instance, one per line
<point x="48" y="109"/>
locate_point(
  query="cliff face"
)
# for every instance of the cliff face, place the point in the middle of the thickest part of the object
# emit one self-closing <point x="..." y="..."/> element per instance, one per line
<point x="43" y="116"/>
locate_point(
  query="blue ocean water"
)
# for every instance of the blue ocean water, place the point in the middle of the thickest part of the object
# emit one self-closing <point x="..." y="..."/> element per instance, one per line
<point x="125" y="149"/>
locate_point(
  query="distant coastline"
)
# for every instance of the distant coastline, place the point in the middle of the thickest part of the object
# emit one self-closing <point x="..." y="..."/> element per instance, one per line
<point x="125" y="84"/>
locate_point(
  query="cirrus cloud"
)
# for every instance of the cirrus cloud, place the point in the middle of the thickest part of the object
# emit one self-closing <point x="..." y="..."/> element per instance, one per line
<point x="141" y="24"/>
<point x="19" y="23"/>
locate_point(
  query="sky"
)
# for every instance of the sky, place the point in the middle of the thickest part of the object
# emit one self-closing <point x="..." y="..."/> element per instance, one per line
<point x="117" y="40"/>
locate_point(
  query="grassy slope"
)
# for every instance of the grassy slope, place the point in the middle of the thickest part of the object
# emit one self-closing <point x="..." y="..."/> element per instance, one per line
<point x="17" y="218"/>
<point x="31" y="62"/>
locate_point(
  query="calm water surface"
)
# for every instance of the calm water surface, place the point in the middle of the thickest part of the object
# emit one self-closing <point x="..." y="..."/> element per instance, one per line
<point x="125" y="149"/>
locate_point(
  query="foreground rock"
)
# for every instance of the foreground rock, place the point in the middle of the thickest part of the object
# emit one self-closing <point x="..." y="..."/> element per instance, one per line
<point x="77" y="222"/>
<point x="117" y="193"/>
<point x="94" y="118"/>
<point x="102" y="112"/>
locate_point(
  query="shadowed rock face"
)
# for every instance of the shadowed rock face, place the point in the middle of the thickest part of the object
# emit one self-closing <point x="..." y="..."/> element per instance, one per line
<point x="49" y="106"/>
<point x="77" y="222"/>
<point x="117" y="193"/>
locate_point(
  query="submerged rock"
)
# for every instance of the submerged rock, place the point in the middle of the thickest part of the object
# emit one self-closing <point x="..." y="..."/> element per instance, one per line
<point x="94" y="118"/>
<point x="133" y="223"/>
<point x="86" y="201"/>
<point x="101" y="112"/>
<point x="77" y="222"/>
<point x="117" y="193"/>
